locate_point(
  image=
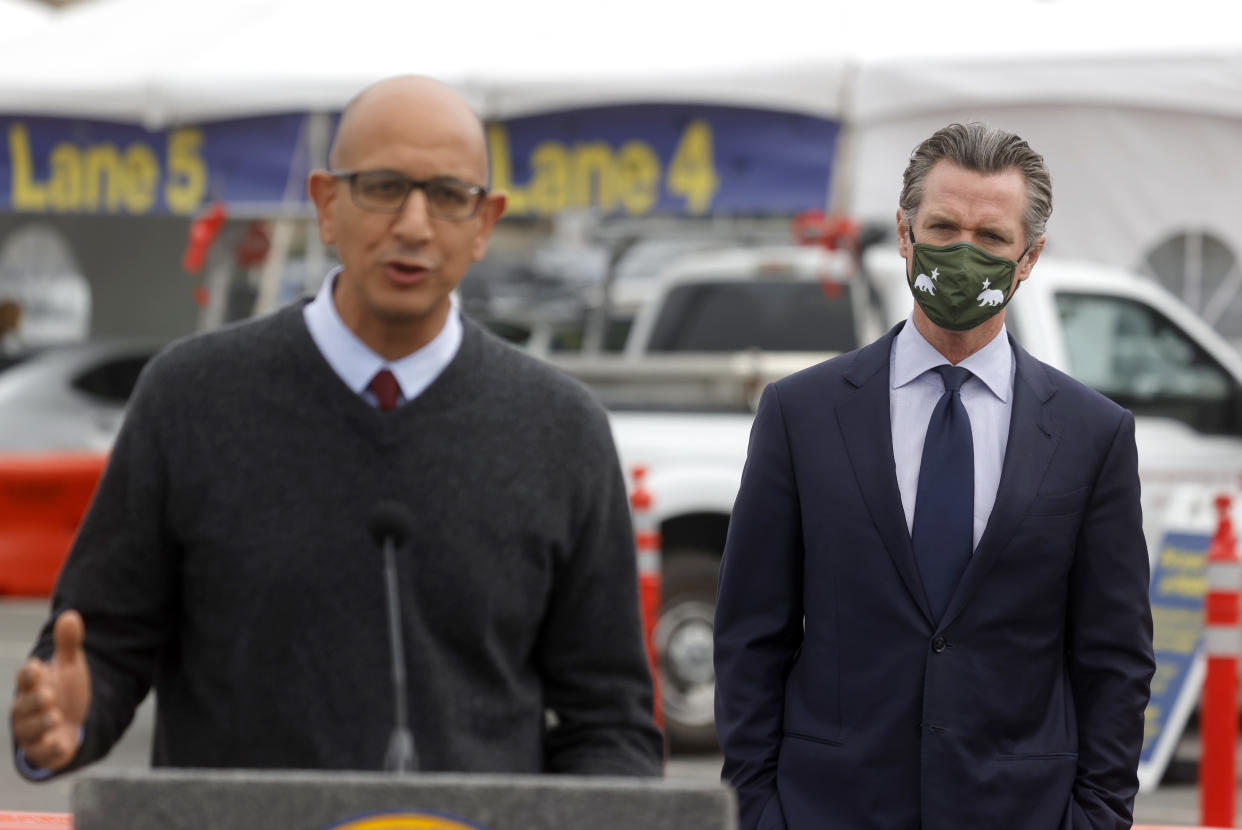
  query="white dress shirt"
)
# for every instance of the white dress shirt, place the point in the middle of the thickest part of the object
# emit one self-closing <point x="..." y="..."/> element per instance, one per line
<point x="356" y="363"/>
<point x="987" y="396"/>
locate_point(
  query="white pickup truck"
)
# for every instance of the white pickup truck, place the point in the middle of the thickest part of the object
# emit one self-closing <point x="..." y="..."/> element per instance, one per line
<point x="722" y="324"/>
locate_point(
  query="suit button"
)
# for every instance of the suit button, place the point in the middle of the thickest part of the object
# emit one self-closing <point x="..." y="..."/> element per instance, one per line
<point x="938" y="644"/>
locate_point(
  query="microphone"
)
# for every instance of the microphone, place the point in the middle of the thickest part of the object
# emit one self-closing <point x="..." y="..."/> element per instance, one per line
<point x="391" y="526"/>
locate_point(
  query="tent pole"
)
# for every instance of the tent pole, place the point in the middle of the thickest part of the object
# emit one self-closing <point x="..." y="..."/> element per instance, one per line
<point x="311" y="152"/>
<point x="319" y="129"/>
<point x="841" y="190"/>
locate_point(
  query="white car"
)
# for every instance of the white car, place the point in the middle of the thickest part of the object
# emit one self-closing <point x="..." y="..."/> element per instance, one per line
<point x="69" y="397"/>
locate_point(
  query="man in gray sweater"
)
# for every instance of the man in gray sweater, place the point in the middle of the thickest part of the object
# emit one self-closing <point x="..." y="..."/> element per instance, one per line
<point x="226" y="559"/>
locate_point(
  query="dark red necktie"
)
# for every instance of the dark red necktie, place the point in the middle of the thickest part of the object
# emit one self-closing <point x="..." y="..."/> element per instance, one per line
<point x="384" y="385"/>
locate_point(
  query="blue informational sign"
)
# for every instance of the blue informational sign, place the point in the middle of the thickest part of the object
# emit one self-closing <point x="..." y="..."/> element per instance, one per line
<point x="1178" y="584"/>
<point x="57" y="165"/>
<point x="639" y="160"/>
<point x="669" y="159"/>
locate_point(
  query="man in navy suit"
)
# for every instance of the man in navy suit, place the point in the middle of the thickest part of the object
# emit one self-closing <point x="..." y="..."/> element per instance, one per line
<point x="933" y="609"/>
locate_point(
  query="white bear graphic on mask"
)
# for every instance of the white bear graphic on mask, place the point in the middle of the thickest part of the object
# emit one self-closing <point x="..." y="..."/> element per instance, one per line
<point x="990" y="296"/>
<point x="927" y="284"/>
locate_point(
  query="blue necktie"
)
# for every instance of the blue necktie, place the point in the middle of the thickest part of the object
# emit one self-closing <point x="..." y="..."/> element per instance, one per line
<point x="944" y="509"/>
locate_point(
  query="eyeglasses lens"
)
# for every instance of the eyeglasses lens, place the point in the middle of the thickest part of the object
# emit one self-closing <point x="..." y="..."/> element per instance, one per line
<point x="385" y="192"/>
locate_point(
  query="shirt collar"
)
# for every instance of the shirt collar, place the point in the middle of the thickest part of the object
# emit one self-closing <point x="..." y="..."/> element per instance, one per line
<point x="357" y="364"/>
<point x="913" y="355"/>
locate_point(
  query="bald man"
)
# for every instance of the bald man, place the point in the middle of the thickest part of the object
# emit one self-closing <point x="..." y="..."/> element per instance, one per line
<point x="226" y="559"/>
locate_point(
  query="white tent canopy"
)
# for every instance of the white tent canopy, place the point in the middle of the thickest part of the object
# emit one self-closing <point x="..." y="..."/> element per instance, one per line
<point x="160" y="61"/>
<point x="156" y="62"/>
<point x="20" y="19"/>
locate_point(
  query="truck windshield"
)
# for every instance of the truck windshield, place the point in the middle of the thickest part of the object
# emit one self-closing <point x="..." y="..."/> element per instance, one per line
<point x="1145" y="362"/>
<point x="787" y="316"/>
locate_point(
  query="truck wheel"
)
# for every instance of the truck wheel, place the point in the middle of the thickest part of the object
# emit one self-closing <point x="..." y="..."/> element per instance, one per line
<point x="683" y="645"/>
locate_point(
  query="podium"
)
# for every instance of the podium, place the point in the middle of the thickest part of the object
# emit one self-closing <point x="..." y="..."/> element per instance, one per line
<point x="293" y="800"/>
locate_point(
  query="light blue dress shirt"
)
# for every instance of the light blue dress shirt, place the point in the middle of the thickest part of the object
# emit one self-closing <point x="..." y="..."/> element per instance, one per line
<point x="987" y="396"/>
<point x="356" y="363"/>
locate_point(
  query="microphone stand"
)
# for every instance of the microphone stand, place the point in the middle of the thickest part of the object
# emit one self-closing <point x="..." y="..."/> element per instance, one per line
<point x="400" y="756"/>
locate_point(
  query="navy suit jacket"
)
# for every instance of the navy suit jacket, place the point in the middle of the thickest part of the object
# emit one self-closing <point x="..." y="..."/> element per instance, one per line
<point x="841" y="704"/>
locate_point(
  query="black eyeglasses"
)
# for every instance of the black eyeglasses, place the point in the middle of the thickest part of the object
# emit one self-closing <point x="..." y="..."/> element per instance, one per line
<point x="385" y="191"/>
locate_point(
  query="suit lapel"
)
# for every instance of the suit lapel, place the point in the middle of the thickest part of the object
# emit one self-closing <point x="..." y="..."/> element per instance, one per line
<point x="1033" y="437"/>
<point x="866" y="428"/>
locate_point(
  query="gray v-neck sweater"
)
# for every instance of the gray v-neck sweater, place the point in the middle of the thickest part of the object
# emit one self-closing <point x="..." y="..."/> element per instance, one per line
<point x="226" y="560"/>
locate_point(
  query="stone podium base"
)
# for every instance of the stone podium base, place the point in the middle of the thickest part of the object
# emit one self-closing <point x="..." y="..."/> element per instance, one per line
<point x="270" y="800"/>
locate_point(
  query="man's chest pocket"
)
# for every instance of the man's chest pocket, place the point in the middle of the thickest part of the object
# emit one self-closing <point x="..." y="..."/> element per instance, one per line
<point x="1066" y="503"/>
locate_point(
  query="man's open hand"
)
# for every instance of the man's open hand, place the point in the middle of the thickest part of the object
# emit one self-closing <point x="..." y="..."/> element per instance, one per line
<point x="53" y="698"/>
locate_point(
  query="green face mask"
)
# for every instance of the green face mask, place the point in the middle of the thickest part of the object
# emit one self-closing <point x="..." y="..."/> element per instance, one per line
<point x="961" y="285"/>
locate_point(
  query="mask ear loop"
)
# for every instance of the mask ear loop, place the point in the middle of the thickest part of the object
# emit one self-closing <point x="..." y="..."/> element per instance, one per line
<point x="1025" y="251"/>
<point x="910" y="265"/>
<point x="1018" y="283"/>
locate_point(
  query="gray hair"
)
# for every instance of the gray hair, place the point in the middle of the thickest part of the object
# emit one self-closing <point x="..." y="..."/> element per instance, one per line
<point x="982" y="149"/>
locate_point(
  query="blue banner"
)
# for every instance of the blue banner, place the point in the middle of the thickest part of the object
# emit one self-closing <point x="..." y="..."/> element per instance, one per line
<point x="669" y="159"/>
<point x="57" y="165"/>
<point x="1178" y="583"/>
<point x="639" y="160"/>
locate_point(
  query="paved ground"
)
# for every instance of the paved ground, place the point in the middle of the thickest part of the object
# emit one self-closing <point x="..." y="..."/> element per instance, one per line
<point x="1174" y="803"/>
